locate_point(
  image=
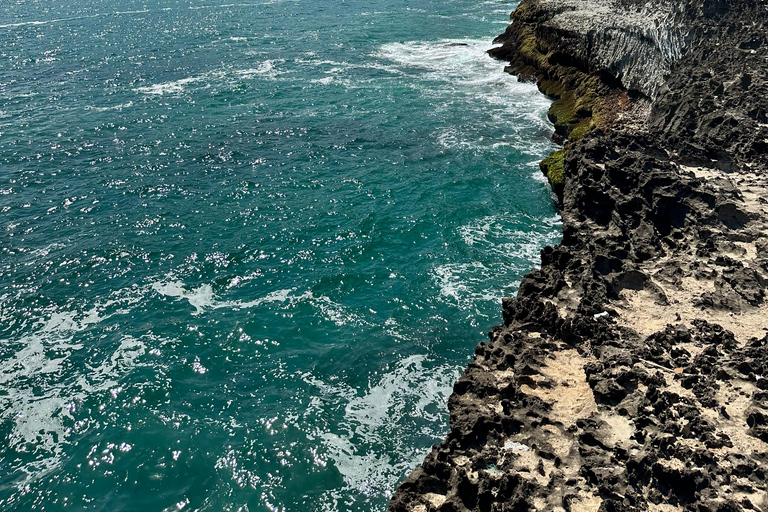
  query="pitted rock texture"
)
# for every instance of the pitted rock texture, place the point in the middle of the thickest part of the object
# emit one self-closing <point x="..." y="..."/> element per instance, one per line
<point x="631" y="372"/>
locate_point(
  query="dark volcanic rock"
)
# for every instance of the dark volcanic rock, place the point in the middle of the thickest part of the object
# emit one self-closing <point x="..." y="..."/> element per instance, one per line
<point x="631" y="372"/>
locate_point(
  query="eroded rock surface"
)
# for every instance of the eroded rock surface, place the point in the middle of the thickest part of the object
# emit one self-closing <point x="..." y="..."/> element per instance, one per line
<point x="631" y="372"/>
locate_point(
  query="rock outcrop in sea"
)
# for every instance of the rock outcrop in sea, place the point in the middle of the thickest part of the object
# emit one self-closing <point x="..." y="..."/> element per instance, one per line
<point x="631" y="371"/>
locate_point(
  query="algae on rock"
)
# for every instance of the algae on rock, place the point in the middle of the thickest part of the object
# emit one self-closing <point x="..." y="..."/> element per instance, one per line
<point x="584" y="99"/>
<point x="552" y="167"/>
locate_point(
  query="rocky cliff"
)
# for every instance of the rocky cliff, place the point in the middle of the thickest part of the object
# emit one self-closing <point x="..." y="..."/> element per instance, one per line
<point x="631" y="372"/>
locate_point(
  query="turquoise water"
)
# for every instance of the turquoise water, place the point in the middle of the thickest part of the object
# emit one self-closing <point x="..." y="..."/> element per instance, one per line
<point x="246" y="248"/>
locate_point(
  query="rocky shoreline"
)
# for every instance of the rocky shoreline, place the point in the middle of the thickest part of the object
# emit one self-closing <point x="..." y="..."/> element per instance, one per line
<point x="631" y="372"/>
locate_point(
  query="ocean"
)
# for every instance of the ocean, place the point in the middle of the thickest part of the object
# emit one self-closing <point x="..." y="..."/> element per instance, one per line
<point x="246" y="248"/>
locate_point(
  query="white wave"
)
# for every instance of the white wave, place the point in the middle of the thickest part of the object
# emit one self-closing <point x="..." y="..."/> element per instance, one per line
<point x="45" y="251"/>
<point x="536" y="173"/>
<point x="214" y="78"/>
<point x="174" y="87"/>
<point x="374" y="408"/>
<point x="203" y="297"/>
<point x="266" y="69"/>
<point x="335" y="312"/>
<point x="460" y="75"/>
<point x="323" y="81"/>
<point x="341" y="69"/>
<point x="393" y="329"/>
<point x="118" y="13"/>
<point x="42" y="414"/>
<point x="410" y="394"/>
<point x="496" y="235"/>
<point x="42" y="420"/>
<point x="449" y="138"/>
<point x="465" y="283"/>
<point x="502" y="250"/>
<point x="60" y="20"/>
<point x="32" y="23"/>
<point x="276" y="296"/>
<point x="54" y="335"/>
<point x="121" y="106"/>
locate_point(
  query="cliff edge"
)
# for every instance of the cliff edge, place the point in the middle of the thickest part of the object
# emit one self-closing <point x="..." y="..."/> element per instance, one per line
<point x="631" y="372"/>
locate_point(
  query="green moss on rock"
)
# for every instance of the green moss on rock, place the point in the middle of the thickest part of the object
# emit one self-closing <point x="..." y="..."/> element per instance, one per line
<point x="578" y="131"/>
<point x="562" y="113"/>
<point x="553" y="167"/>
<point x="552" y="88"/>
<point x="583" y="100"/>
<point x="532" y="49"/>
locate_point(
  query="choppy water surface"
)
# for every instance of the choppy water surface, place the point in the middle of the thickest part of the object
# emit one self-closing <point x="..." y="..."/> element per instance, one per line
<point x="246" y="248"/>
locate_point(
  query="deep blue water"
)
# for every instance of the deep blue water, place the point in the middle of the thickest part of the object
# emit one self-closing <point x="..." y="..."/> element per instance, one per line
<point x="246" y="248"/>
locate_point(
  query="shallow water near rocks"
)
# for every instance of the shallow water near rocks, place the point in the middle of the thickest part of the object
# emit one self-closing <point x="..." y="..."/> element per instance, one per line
<point x="246" y="248"/>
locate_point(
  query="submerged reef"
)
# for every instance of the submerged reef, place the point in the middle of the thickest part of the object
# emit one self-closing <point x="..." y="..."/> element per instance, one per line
<point x="631" y="371"/>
